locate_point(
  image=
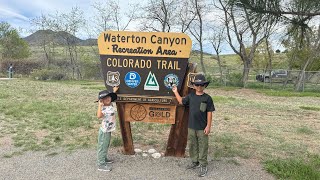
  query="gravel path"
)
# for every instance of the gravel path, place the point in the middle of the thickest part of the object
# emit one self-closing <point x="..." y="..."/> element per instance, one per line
<point x="81" y="165"/>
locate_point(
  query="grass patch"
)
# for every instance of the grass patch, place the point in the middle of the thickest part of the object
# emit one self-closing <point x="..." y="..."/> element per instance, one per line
<point x="52" y="154"/>
<point x="116" y="142"/>
<point x="48" y="118"/>
<point x="310" y="108"/>
<point x="152" y="142"/>
<point x="294" y="168"/>
<point x="227" y="145"/>
<point x="304" y="130"/>
<point x="225" y="88"/>
<point x="288" y="93"/>
<point x="10" y="155"/>
<point x="222" y="99"/>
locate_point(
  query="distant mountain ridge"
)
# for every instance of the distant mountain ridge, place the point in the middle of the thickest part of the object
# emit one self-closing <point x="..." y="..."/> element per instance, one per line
<point x="40" y="37"/>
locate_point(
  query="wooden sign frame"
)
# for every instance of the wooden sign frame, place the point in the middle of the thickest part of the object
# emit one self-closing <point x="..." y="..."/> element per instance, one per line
<point x="134" y="61"/>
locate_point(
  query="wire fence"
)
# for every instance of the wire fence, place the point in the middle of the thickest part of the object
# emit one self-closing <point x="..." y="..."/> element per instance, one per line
<point x="269" y="79"/>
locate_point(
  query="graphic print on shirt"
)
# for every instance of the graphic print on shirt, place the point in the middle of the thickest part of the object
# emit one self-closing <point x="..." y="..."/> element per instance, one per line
<point x="109" y="119"/>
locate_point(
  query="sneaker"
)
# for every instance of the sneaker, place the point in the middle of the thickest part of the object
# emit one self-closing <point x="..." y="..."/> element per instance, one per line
<point x="203" y="171"/>
<point x="104" y="168"/>
<point x="109" y="161"/>
<point x="193" y="165"/>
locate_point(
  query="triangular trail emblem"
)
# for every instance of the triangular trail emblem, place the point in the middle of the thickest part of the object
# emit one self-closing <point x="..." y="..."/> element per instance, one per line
<point x="151" y="83"/>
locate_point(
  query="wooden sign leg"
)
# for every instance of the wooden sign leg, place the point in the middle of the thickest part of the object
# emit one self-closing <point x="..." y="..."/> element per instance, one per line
<point x="177" y="141"/>
<point x="178" y="136"/>
<point x="125" y="131"/>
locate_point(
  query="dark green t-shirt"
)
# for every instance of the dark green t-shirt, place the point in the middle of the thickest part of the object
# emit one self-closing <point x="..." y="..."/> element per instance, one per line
<point x="197" y="115"/>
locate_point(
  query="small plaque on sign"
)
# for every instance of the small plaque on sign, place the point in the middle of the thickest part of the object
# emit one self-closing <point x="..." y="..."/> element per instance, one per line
<point x="144" y="99"/>
<point x="191" y="77"/>
<point x="150" y="113"/>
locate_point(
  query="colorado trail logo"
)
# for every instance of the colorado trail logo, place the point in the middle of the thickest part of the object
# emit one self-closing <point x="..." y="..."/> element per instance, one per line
<point x="113" y="78"/>
<point x="151" y="82"/>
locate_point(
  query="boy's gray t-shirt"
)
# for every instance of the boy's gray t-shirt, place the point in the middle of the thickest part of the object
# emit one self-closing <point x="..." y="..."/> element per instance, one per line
<point x="198" y="118"/>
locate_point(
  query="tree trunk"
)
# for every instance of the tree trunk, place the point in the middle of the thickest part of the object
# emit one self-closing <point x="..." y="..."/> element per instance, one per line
<point x="201" y="59"/>
<point x="300" y="83"/>
<point x="220" y="68"/>
<point x="245" y="74"/>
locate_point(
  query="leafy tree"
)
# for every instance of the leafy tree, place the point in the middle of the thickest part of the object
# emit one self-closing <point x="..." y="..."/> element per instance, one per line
<point x="304" y="52"/>
<point x="12" y="46"/>
<point x="244" y="32"/>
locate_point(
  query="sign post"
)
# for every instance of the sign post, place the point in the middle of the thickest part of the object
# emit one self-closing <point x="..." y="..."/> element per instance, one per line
<point x="145" y="66"/>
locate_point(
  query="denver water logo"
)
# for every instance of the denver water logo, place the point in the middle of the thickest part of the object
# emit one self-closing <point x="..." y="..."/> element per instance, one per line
<point x="132" y="79"/>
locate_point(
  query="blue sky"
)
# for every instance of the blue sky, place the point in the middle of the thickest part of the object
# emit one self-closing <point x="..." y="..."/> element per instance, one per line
<point x="18" y="13"/>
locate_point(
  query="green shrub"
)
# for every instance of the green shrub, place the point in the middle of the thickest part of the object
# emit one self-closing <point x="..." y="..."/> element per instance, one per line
<point x="48" y="74"/>
<point x="20" y="66"/>
<point x="235" y="79"/>
<point x="214" y="81"/>
<point x="294" y="168"/>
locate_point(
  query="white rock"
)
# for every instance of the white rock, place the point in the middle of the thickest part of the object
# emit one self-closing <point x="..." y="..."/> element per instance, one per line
<point x="144" y="154"/>
<point x="137" y="150"/>
<point x="156" y="155"/>
<point x="151" y="151"/>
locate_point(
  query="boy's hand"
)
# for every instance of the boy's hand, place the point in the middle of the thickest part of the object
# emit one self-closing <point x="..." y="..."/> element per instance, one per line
<point x="206" y="130"/>
<point x="115" y="88"/>
<point x="174" y="89"/>
<point x="100" y="103"/>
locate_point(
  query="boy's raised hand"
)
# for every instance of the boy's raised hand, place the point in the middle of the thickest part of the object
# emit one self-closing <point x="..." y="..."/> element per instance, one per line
<point x="115" y="88"/>
<point x="174" y="89"/>
<point x="100" y="103"/>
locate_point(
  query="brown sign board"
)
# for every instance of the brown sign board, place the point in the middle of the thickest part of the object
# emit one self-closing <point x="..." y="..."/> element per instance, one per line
<point x="136" y="112"/>
<point x="144" y="63"/>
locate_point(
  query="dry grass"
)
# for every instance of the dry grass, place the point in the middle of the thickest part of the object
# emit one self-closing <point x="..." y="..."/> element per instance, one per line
<point x="268" y="126"/>
<point x="50" y="115"/>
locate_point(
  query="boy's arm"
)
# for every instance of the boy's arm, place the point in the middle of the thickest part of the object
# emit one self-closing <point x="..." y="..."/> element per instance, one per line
<point x="175" y="91"/>
<point x="99" y="111"/>
<point x="209" y="121"/>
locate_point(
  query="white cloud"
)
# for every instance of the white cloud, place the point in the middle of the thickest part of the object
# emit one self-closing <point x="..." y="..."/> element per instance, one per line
<point x="11" y="14"/>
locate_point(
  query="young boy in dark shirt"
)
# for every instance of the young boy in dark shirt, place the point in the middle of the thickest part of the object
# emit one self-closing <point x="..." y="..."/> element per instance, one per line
<point x="199" y="125"/>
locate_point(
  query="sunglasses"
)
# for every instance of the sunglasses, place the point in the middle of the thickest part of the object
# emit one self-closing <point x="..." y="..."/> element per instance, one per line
<point x="199" y="84"/>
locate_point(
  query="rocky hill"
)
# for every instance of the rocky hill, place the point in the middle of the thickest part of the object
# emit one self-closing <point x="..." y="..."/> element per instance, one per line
<point x="59" y="38"/>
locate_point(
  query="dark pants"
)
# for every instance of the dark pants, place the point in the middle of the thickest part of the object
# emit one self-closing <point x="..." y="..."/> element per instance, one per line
<point x="198" y="146"/>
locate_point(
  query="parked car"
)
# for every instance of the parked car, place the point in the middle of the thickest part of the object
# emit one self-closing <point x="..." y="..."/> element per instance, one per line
<point x="276" y="75"/>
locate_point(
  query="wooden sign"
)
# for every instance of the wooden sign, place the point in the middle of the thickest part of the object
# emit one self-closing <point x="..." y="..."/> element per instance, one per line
<point x="144" y="63"/>
<point x="145" y="66"/>
<point x="150" y="113"/>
